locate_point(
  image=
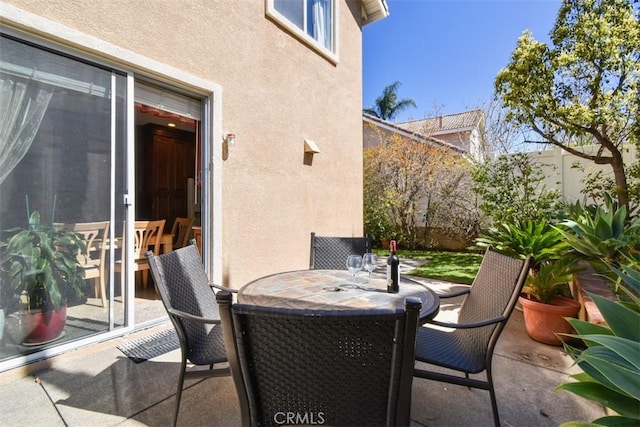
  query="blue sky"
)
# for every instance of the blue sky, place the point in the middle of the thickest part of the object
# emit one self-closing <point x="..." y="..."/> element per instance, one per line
<point x="446" y="53"/>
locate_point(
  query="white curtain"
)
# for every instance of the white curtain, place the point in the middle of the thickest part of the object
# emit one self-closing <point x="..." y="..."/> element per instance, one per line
<point x="321" y="14"/>
<point x="22" y="107"/>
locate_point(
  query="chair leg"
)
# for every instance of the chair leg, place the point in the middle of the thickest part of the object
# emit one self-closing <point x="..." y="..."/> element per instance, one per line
<point x="183" y="367"/>
<point x="103" y="285"/>
<point x="145" y="278"/>
<point x="494" y="403"/>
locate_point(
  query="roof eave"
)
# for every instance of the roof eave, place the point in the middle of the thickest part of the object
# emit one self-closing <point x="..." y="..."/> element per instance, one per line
<point x="368" y="118"/>
<point x="374" y="10"/>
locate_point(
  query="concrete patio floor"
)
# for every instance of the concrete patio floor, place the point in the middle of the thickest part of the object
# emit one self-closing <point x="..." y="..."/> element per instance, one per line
<point x="98" y="385"/>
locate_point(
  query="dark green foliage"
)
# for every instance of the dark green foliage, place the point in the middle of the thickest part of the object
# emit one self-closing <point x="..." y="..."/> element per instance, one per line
<point x="512" y="189"/>
<point x="41" y="258"/>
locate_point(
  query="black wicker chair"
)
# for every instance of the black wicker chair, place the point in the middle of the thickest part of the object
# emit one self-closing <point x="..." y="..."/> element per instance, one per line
<point x="487" y="306"/>
<point x="189" y="299"/>
<point x="330" y="253"/>
<point x="320" y="367"/>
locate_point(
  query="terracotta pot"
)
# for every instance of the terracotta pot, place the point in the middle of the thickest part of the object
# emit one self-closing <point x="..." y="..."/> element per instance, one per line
<point x="543" y="321"/>
<point x="43" y="327"/>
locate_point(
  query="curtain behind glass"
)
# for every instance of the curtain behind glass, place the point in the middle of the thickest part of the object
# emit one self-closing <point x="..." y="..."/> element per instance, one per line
<point x="321" y="22"/>
<point x="22" y="107"/>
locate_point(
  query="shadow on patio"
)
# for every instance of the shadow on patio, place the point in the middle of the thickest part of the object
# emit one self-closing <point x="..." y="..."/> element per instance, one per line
<point x="98" y="385"/>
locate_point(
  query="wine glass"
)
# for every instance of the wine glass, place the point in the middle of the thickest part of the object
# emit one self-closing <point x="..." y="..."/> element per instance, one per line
<point x="369" y="262"/>
<point x="354" y="264"/>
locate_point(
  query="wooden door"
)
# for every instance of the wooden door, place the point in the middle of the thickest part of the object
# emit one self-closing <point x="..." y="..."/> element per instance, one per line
<point x="169" y="161"/>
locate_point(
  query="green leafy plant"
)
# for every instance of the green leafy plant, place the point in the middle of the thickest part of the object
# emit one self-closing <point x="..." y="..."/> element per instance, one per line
<point x="512" y="188"/>
<point x="522" y="238"/>
<point x="551" y="279"/>
<point x="43" y="262"/>
<point x="611" y="360"/>
<point x="603" y="235"/>
<point x="377" y="221"/>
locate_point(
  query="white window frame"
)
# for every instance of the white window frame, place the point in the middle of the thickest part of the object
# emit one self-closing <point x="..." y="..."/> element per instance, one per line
<point x="301" y="33"/>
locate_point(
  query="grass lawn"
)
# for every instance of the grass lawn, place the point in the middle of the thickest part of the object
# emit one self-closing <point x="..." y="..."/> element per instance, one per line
<point x="456" y="267"/>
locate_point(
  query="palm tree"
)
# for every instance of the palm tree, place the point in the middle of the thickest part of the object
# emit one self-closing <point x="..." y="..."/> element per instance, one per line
<point x="387" y="105"/>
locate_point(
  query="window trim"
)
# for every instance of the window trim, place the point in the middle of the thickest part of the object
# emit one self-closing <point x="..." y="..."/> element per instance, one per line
<point x="299" y="33"/>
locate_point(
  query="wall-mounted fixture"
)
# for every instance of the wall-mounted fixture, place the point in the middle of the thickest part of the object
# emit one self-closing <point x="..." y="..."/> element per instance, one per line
<point x="230" y="139"/>
<point x="310" y="147"/>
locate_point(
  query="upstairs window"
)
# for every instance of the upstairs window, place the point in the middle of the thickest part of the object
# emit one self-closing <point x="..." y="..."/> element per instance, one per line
<point x="313" y="21"/>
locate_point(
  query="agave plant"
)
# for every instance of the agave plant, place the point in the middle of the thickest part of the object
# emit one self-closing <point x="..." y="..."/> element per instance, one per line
<point x="611" y="361"/>
<point x="602" y="235"/>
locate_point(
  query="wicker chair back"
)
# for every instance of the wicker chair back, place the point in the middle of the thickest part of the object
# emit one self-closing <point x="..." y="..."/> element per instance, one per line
<point x="330" y="253"/>
<point x="321" y="367"/>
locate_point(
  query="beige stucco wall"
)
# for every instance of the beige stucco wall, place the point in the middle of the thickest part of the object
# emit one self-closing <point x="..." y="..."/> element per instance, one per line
<point x="562" y="175"/>
<point x="276" y="92"/>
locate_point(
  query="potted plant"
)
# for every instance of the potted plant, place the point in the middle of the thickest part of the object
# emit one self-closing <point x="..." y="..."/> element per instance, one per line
<point x="546" y="297"/>
<point x="546" y="300"/>
<point x="39" y="265"/>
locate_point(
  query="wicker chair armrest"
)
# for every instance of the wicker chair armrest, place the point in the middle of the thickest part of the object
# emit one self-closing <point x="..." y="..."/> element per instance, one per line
<point x="464" y="291"/>
<point x="223" y="288"/>
<point x="471" y="325"/>
<point x="191" y="317"/>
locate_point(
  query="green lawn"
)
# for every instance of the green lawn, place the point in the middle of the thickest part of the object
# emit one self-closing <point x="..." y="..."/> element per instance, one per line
<point x="457" y="267"/>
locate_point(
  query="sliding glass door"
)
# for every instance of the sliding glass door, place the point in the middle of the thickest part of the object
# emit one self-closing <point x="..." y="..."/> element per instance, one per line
<point x="63" y="133"/>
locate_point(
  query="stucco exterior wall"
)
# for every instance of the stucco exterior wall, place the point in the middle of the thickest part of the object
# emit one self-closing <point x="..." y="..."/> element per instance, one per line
<point x="276" y="92"/>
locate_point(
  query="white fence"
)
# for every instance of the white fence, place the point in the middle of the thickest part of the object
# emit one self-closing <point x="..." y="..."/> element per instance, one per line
<point x="563" y="176"/>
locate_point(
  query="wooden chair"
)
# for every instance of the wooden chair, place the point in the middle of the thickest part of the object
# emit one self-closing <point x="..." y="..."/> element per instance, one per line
<point x="95" y="236"/>
<point x="197" y="236"/>
<point x="330" y="253"/>
<point x="351" y="367"/>
<point x="146" y="237"/>
<point x="468" y="348"/>
<point x="181" y="231"/>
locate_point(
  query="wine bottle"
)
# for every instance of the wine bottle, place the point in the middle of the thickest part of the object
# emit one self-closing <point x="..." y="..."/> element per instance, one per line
<point x="393" y="269"/>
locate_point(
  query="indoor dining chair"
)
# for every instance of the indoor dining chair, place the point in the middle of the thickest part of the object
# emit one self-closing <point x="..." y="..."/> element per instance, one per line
<point x="468" y="347"/>
<point x="146" y="236"/>
<point x="338" y="368"/>
<point x="181" y="231"/>
<point x="330" y="253"/>
<point x="189" y="299"/>
<point x="95" y="236"/>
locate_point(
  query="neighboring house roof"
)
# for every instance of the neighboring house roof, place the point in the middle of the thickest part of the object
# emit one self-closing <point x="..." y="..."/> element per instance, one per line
<point x="408" y="133"/>
<point x="374" y="10"/>
<point x="451" y="123"/>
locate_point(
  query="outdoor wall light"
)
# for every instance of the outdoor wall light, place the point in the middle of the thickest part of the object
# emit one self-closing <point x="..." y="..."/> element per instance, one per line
<point x="310" y="147"/>
<point x="230" y="139"/>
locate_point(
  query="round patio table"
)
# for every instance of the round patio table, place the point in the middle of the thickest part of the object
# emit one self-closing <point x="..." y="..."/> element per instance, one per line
<point x="336" y="290"/>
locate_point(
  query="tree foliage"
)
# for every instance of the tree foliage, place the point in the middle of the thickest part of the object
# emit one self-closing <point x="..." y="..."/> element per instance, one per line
<point x="512" y="190"/>
<point x="410" y="184"/>
<point x="388" y="106"/>
<point x="584" y="89"/>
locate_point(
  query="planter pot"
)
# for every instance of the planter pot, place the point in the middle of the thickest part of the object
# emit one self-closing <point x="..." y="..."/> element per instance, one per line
<point x="43" y="327"/>
<point x="385" y="243"/>
<point x="543" y="321"/>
